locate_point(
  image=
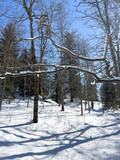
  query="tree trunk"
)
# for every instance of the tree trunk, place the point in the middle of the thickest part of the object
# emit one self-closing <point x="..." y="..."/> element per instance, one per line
<point x="29" y="12"/>
<point x="29" y="91"/>
<point x="71" y="93"/>
<point x="36" y="90"/>
<point x="2" y="94"/>
<point x="89" y="106"/>
<point x="35" y="111"/>
<point x="24" y="88"/>
<point x="62" y="100"/>
<point x="81" y="107"/>
<point x="63" y="108"/>
<point x="112" y="50"/>
<point x="85" y="105"/>
<point x="103" y="107"/>
<point x="92" y="104"/>
<point x="36" y="82"/>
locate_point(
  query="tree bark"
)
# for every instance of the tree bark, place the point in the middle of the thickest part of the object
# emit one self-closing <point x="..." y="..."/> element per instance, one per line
<point x="62" y="99"/>
<point x="92" y="104"/>
<point x="81" y="106"/>
<point x="110" y="38"/>
<point x="36" y="86"/>
<point x="85" y="105"/>
<point x="2" y="94"/>
<point x="24" y="88"/>
<point x="89" y="106"/>
<point x="36" y="90"/>
<point x="33" y="59"/>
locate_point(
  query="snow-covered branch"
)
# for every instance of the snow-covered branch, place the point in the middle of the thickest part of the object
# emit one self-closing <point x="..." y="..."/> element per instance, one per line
<point x="67" y="50"/>
<point x="114" y="79"/>
<point x="81" y="57"/>
<point x="57" y="68"/>
<point x="60" y="68"/>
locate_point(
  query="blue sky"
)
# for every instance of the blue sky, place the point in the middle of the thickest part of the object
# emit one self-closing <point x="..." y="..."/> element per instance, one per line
<point x="77" y="23"/>
<point x="70" y="4"/>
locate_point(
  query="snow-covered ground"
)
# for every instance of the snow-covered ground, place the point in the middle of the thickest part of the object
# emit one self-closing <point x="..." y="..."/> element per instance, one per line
<point x="58" y="135"/>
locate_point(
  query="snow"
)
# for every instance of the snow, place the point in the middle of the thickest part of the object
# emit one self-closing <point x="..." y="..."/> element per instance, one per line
<point x="94" y="82"/>
<point x="2" y="78"/>
<point x="58" y="135"/>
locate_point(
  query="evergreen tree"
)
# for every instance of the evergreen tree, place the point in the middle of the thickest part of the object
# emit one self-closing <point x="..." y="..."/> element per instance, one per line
<point x="9" y="46"/>
<point x="24" y="57"/>
<point x="9" y="49"/>
<point x="108" y="95"/>
<point x="25" y="81"/>
<point x="71" y="75"/>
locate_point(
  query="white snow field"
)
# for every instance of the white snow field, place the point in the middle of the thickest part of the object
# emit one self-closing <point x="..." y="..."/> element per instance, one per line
<point x="58" y="135"/>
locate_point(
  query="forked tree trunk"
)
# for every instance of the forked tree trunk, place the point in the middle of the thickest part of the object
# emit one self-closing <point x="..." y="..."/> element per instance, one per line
<point x="33" y="57"/>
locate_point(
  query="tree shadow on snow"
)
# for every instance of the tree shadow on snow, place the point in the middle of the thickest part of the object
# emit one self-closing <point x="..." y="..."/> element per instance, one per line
<point x="77" y="139"/>
<point x="17" y="125"/>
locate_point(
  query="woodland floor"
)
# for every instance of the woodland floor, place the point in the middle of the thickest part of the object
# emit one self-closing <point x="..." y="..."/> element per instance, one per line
<point x="58" y="135"/>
